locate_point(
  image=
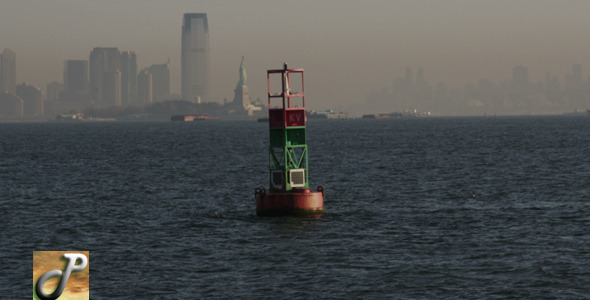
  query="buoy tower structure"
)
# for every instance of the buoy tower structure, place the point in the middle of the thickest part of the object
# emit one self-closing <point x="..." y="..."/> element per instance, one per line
<point x="289" y="192"/>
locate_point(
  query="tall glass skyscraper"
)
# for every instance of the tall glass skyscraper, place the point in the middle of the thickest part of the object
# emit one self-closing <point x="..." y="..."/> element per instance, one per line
<point x="105" y="66"/>
<point x="8" y="71"/>
<point x="75" y="81"/>
<point x="128" y="78"/>
<point x="195" y="57"/>
<point x="160" y="81"/>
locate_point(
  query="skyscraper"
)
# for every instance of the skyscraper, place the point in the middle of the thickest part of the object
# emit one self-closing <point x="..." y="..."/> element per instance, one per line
<point x="54" y="91"/>
<point x="195" y="57"/>
<point x="160" y="81"/>
<point x="577" y="76"/>
<point x="520" y="76"/>
<point x="128" y="78"/>
<point x="520" y="84"/>
<point x="576" y="93"/>
<point x="154" y="84"/>
<point x="144" y="87"/>
<point x="75" y="81"/>
<point x="8" y="71"/>
<point x="111" y="88"/>
<point x="11" y="106"/>
<point x="105" y="66"/>
<point x="33" y="105"/>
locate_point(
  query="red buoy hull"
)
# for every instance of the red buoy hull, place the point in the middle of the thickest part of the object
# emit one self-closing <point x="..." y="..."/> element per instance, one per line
<point x="303" y="202"/>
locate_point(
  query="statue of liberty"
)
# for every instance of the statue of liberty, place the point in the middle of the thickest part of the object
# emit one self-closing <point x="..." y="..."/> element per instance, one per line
<point x="242" y="81"/>
<point x="241" y="93"/>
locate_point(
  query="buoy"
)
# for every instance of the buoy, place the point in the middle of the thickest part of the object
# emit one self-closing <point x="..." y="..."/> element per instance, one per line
<point x="289" y="192"/>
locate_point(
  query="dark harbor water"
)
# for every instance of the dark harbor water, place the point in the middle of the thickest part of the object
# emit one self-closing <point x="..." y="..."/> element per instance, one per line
<point x="424" y="208"/>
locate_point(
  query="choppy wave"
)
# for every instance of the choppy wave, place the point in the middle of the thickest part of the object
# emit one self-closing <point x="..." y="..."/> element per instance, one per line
<point x="417" y="208"/>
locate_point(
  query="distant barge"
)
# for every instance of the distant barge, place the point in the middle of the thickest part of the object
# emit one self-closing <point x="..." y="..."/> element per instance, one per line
<point x="191" y="118"/>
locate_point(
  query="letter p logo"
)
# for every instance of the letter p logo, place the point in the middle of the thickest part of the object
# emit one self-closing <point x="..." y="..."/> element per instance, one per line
<point x="76" y="262"/>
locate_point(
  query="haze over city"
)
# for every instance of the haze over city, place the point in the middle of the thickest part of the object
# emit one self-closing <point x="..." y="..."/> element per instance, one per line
<point x="349" y="49"/>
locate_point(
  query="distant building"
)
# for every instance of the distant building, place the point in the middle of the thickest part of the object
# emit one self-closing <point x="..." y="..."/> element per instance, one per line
<point x="33" y="105"/>
<point x="195" y="57"/>
<point x="576" y="93"/>
<point x="160" y="81"/>
<point x="75" y="87"/>
<point x="111" y="88"/>
<point x="577" y="76"/>
<point x="104" y="66"/>
<point x="128" y="78"/>
<point x="552" y="88"/>
<point x="144" y="88"/>
<point x="520" y="85"/>
<point x="8" y="71"/>
<point x="154" y="84"/>
<point x="54" y="90"/>
<point x="520" y="76"/>
<point x="11" y="106"/>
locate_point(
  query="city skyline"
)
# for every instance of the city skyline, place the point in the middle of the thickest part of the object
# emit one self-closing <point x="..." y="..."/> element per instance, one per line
<point x="406" y="94"/>
<point x="348" y="48"/>
<point x="514" y="95"/>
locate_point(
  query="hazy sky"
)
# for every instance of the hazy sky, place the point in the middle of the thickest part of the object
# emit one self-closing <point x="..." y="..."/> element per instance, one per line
<point x="347" y="48"/>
